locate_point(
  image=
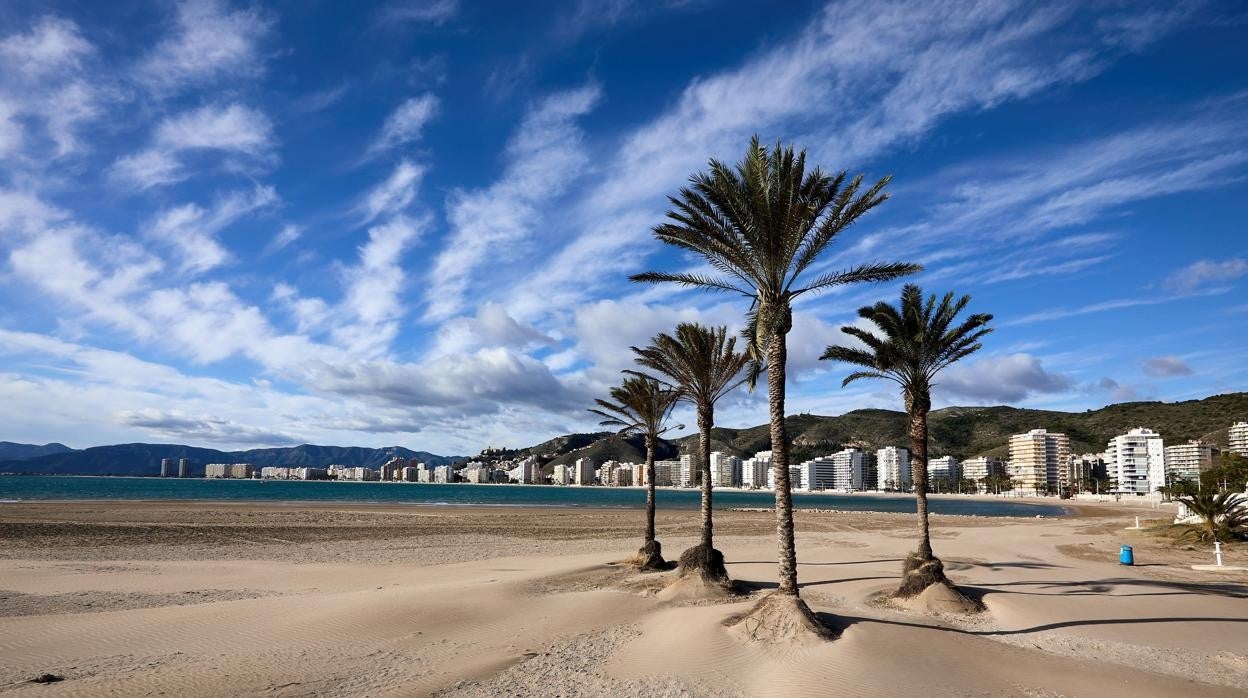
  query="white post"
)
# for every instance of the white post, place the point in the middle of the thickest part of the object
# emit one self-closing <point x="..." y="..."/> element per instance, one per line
<point x="1137" y="522"/>
<point x="1217" y="553"/>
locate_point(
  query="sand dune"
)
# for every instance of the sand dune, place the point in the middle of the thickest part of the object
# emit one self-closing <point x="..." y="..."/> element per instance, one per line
<point x="521" y="617"/>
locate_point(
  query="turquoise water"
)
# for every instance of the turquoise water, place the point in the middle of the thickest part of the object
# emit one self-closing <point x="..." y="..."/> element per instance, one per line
<point x="138" y="488"/>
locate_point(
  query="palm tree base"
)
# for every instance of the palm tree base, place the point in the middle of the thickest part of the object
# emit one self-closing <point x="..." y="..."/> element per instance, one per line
<point x="706" y="561"/>
<point x="650" y="557"/>
<point x="780" y="619"/>
<point x="920" y="572"/>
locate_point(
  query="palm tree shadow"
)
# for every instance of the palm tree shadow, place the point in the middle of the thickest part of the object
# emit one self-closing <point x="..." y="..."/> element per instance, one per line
<point x="840" y="623"/>
<point x="1105" y="587"/>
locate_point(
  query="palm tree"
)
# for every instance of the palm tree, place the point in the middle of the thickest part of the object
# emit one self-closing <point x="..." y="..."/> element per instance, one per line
<point x="761" y="225"/>
<point x="915" y="342"/>
<point x="1223" y="515"/>
<point x="642" y="406"/>
<point x="703" y="365"/>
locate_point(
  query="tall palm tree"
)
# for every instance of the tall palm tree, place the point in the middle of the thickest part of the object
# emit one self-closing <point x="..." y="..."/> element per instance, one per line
<point x="761" y="225"/>
<point x="642" y="406"/>
<point x="914" y="342"/>
<point x="703" y="365"/>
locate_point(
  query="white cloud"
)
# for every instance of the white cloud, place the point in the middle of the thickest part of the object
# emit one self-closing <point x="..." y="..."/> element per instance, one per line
<point x="192" y="230"/>
<point x="230" y="129"/>
<point x="284" y="237"/>
<point x="491" y="326"/>
<point x="178" y="425"/>
<point x="393" y="195"/>
<point x="43" y="76"/>
<point x="543" y="157"/>
<point x="208" y="43"/>
<point x="1167" y="367"/>
<point x="374" y="287"/>
<point x="431" y="12"/>
<point x="1004" y="379"/>
<point x="1202" y="274"/>
<point x="405" y="124"/>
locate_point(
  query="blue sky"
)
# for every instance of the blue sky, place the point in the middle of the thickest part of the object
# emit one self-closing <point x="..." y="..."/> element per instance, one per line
<point x="233" y="225"/>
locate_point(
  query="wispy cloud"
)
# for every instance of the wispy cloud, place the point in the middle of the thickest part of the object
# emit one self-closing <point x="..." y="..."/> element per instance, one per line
<point x="405" y="123"/>
<point x="208" y="43"/>
<point x="231" y="129"/>
<point x="192" y="230"/>
<point x="419" y="12"/>
<point x="1205" y="272"/>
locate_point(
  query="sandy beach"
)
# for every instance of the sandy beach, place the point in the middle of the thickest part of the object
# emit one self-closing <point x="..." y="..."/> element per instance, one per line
<point x="204" y="598"/>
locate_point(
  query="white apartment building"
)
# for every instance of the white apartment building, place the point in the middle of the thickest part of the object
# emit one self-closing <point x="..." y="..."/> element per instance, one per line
<point x="754" y="470"/>
<point x="444" y="474"/>
<point x="1237" y="438"/>
<point x="818" y="474"/>
<point x="1038" y="460"/>
<point x="979" y="468"/>
<point x="725" y="470"/>
<point x="892" y="465"/>
<point x="854" y="470"/>
<point x="1137" y="460"/>
<point x="563" y="475"/>
<point x="229" y="471"/>
<point x="166" y="467"/>
<point x="639" y="474"/>
<point x="795" y="478"/>
<point x="583" y="472"/>
<point x="1187" y="461"/>
<point x="666" y="473"/>
<point x="944" y="468"/>
<point x="690" y="471"/>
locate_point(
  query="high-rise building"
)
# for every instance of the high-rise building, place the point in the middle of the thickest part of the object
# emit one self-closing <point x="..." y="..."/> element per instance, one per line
<point x="854" y="470"/>
<point x="690" y="471"/>
<point x="979" y="468"/>
<point x="666" y="473"/>
<point x="166" y="467"/>
<point x="725" y="470"/>
<point x="754" y="470"/>
<point x="1237" y="438"/>
<point x="563" y="475"/>
<point x="818" y="474"/>
<point x="583" y="472"/>
<point x="184" y="467"/>
<point x="1038" y="460"/>
<point x="893" y="468"/>
<point x="795" y="478"/>
<point x="943" y="468"/>
<point x="1187" y="461"/>
<point x="1137" y="460"/>
<point x="1083" y="467"/>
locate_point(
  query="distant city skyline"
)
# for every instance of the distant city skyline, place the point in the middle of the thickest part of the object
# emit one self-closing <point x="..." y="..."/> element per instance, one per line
<point x="235" y="225"/>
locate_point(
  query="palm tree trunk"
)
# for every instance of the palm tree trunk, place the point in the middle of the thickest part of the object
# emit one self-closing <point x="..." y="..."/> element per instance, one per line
<point x="706" y="418"/>
<point x="777" y="355"/>
<point x="649" y="489"/>
<point x="916" y="408"/>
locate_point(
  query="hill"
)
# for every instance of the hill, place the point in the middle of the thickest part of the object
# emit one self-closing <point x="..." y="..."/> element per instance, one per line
<point x="144" y="459"/>
<point x="14" y="451"/>
<point x="962" y="432"/>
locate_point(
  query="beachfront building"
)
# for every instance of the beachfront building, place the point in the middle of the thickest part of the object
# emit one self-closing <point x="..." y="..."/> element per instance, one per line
<point x="583" y="471"/>
<point x="944" y="468"/>
<point x="795" y="478"/>
<point x="166" y="467"/>
<point x="562" y="475"/>
<point x="982" y="467"/>
<point x="854" y="470"/>
<point x="184" y="467"/>
<point x="690" y="471"/>
<point x="892" y="465"/>
<point x="392" y="470"/>
<point x="818" y="474"/>
<point x="1137" y="460"/>
<point x="477" y="473"/>
<point x="229" y="471"/>
<point x="1038" y="461"/>
<point x="1237" y="438"/>
<point x="1084" y="467"/>
<point x="1187" y="461"/>
<point x="725" y="470"/>
<point x="357" y="474"/>
<point x="444" y="474"/>
<point x="666" y="473"/>
<point x="754" y="470"/>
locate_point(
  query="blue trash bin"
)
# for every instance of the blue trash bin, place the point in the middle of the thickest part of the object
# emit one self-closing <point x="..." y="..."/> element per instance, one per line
<point x="1127" y="555"/>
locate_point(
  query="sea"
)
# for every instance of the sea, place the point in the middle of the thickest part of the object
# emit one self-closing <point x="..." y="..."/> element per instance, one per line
<point x="60" y="487"/>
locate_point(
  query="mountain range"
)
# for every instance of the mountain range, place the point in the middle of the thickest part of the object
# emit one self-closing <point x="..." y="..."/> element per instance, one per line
<point x="144" y="459"/>
<point x="962" y="432"/>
